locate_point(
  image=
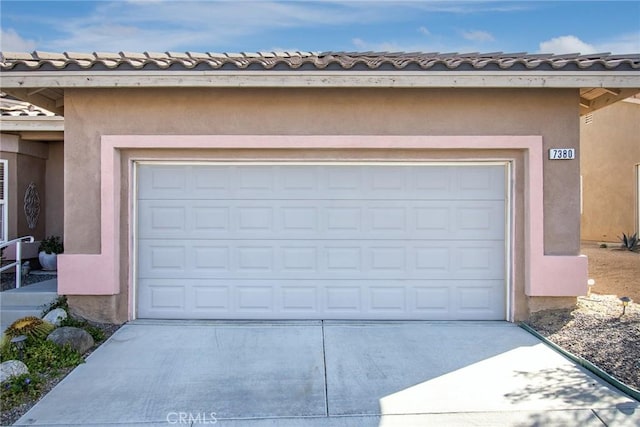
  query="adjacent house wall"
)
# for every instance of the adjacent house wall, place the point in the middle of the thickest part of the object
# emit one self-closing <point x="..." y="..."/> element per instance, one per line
<point x="610" y="152"/>
<point x="91" y="113"/>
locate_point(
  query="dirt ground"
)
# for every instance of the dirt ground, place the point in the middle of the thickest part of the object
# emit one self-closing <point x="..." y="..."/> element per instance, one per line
<point x="616" y="272"/>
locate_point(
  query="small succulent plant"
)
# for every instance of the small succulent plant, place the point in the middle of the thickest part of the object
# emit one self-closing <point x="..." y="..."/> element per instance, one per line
<point x="31" y="327"/>
<point x="630" y="242"/>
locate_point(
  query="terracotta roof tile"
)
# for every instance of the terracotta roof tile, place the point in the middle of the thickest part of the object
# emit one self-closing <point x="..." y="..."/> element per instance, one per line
<point x="360" y="61"/>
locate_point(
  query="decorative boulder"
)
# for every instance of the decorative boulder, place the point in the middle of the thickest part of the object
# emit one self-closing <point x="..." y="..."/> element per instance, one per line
<point x="12" y="368"/>
<point x="55" y="316"/>
<point x="78" y="339"/>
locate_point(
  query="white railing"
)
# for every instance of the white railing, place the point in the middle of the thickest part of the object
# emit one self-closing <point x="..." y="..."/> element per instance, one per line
<point x="18" y="262"/>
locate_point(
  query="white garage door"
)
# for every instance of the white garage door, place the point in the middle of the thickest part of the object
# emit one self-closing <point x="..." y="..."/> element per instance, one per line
<point x="321" y="241"/>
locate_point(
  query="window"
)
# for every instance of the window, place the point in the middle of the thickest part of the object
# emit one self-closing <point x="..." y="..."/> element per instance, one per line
<point x="3" y="200"/>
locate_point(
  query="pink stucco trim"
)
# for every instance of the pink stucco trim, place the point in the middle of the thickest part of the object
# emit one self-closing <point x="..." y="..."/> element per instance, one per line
<point x="545" y="275"/>
<point x="98" y="274"/>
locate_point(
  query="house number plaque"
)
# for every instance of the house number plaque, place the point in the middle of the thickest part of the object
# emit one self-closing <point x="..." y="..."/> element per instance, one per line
<point x="562" y="153"/>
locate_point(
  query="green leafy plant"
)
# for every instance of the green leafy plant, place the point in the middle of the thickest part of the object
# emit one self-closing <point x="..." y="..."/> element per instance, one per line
<point x="47" y="356"/>
<point x="51" y="245"/>
<point x="60" y="302"/>
<point x="17" y="389"/>
<point x="630" y="242"/>
<point x="45" y="360"/>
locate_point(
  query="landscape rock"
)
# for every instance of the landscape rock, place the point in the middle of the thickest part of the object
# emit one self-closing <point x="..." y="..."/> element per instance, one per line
<point x="79" y="339"/>
<point x="55" y="316"/>
<point x="12" y="368"/>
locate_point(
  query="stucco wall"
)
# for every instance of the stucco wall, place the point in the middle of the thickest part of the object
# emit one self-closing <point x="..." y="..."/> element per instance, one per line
<point x="26" y="163"/>
<point x="92" y="113"/>
<point x="54" y="219"/>
<point x="31" y="170"/>
<point x="610" y="153"/>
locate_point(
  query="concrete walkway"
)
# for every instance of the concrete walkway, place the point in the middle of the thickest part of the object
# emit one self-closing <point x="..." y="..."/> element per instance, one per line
<point x="329" y="374"/>
<point x="28" y="300"/>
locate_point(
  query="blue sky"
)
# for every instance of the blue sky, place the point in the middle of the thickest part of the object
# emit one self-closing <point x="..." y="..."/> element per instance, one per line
<point x="249" y="26"/>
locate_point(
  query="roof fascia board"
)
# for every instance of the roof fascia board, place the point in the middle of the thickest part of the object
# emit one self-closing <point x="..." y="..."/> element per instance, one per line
<point x="31" y="124"/>
<point x="503" y="79"/>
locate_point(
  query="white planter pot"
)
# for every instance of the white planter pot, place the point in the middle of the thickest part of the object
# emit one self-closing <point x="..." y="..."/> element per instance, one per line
<point x="48" y="261"/>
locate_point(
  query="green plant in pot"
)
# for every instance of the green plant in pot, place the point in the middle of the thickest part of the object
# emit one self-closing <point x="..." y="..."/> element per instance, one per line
<point x="48" y="252"/>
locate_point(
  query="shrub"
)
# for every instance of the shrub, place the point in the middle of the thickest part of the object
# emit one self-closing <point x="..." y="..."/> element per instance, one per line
<point x="45" y="360"/>
<point x="51" y="245"/>
<point x="17" y="389"/>
<point x="60" y="302"/>
<point x="48" y="357"/>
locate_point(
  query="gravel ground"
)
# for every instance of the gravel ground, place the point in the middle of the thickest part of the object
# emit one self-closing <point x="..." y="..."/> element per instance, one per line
<point x="8" y="280"/>
<point x="597" y="331"/>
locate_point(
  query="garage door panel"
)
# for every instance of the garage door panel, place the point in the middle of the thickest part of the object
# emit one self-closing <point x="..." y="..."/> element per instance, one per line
<point x="323" y="259"/>
<point x="349" y="220"/>
<point x="161" y="297"/>
<point x="321" y="241"/>
<point x="383" y="182"/>
<point x="479" y="182"/>
<point x="314" y="299"/>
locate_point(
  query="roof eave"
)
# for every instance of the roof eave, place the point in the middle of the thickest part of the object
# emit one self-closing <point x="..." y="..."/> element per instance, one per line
<point x="31" y="124"/>
<point x="320" y="79"/>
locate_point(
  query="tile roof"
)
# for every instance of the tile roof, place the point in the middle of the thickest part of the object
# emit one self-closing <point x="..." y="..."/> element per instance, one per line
<point x="11" y="107"/>
<point x="331" y="61"/>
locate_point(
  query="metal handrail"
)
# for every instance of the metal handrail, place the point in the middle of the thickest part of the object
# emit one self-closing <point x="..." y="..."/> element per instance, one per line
<point x="18" y="262"/>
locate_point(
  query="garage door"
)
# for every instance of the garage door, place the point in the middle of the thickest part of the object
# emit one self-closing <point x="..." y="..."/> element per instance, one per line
<point x="321" y="241"/>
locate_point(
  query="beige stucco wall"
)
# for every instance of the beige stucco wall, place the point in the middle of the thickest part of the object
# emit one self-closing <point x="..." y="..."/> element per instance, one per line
<point x="26" y="163"/>
<point x="92" y="113"/>
<point x="610" y="153"/>
<point x="31" y="170"/>
<point x="54" y="220"/>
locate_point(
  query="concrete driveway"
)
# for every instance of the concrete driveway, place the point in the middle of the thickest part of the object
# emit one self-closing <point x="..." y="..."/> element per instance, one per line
<point x="329" y="373"/>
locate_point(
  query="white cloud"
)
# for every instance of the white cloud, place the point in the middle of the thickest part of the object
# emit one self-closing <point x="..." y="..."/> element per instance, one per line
<point x="360" y="44"/>
<point x="566" y="44"/>
<point x="159" y="25"/>
<point x="624" y="43"/>
<point x="143" y="25"/>
<point x="478" y="36"/>
<point x="11" y="41"/>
